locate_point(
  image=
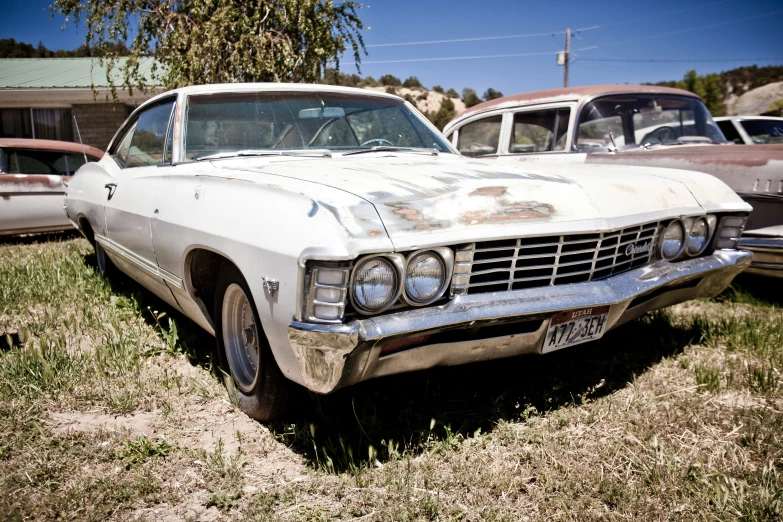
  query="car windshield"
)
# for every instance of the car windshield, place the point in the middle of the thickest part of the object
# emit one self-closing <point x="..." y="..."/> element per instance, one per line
<point x="275" y="121"/>
<point x="641" y="119"/>
<point x="764" y="131"/>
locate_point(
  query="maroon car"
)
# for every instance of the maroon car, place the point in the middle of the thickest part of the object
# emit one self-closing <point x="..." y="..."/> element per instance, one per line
<point x="632" y="125"/>
<point x="31" y="182"/>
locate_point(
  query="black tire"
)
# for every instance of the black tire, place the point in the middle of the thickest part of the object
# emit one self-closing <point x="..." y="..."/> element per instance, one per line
<point x="263" y="393"/>
<point x="105" y="266"/>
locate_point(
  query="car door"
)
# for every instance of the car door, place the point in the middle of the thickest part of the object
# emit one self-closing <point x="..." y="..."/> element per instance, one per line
<point x="141" y="156"/>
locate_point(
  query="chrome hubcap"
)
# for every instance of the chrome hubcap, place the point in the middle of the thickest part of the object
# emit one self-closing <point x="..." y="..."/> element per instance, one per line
<point x="240" y="337"/>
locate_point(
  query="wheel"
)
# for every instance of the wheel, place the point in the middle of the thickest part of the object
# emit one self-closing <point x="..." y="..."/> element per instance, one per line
<point x="105" y="266"/>
<point x="261" y="389"/>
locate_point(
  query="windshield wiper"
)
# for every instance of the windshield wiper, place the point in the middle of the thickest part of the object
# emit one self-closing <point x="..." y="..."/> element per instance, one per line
<point x="326" y="153"/>
<point x="387" y="148"/>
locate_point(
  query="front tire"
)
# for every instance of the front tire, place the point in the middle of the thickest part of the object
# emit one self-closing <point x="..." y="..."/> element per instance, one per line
<point x="261" y="388"/>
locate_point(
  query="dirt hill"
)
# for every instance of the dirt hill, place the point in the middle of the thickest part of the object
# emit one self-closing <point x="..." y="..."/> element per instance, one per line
<point x="755" y="101"/>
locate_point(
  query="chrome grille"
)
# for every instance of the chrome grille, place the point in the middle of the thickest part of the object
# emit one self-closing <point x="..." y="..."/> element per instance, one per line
<point x="514" y="264"/>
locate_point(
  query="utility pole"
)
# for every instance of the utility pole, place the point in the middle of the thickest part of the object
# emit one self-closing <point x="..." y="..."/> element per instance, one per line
<point x="566" y="57"/>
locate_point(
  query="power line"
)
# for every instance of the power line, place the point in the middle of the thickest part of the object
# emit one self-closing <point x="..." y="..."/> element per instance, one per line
<point x="659" y="15"/>
<point x="449" y="58"/>
<point x="689" y="60"/>
<point x="455" y="40"/>
<point x="552" y="33"/>
<point x="709" y="26"/>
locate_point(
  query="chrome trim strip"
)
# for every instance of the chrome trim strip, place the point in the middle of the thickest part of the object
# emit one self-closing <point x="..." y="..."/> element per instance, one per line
<point x="138" y="261"/>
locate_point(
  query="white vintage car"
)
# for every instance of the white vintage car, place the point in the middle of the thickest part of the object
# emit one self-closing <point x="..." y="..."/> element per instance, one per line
<point x="329" y="235"/>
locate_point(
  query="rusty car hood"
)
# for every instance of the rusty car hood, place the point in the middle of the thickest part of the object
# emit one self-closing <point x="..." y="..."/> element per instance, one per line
<point x="426" y="200"/>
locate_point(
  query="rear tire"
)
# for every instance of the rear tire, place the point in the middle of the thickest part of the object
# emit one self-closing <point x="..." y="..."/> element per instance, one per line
<point x="252" y="373"/>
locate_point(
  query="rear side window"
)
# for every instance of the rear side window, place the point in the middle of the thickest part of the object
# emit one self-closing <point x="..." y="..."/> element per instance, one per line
<point x="24" y="161"/>
<point x="539" y="131"/>
<point x="480" y="137"/>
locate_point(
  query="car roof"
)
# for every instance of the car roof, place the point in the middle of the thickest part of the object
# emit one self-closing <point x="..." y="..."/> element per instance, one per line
<point x="214" y="88"/>
<point x="565" y="94"/>
<point x="65" y="146"/>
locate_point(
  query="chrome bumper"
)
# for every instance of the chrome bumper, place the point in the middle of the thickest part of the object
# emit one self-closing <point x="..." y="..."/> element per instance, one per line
<point x="480" y="327"/>
<point x="767" y="255"/>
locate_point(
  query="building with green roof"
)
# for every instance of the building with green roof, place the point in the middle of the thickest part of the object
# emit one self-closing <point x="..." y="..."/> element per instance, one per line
<point x="39" y="98"/>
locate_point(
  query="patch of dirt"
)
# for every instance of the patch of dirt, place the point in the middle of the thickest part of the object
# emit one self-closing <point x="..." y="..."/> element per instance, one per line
<point x="755" y="101"/>
<point x="136" y="424"/>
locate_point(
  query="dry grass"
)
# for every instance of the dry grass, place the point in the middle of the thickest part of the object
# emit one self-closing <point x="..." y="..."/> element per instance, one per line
<point x="111" y="410"/>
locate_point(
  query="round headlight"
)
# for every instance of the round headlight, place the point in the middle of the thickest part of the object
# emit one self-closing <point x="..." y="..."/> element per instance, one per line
<point x="375" y="285"/>
<point x="424" y="277"/>
<point x="697" y="239"/>
<point x="672" y="240"/>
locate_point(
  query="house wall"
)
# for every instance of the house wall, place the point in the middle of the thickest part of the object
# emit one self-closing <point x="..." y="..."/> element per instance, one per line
<point x="98" y="122"/>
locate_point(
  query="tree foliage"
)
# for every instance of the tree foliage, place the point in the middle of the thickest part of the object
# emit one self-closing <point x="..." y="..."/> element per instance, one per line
<point x="443" y="115"/>
<point x="492" y="94"/>
<point x="389" y="80"/>
<point x="470" y="97"/>
<point x="411" y="82"/>
<point x="10" y="48"/>
<point x="216" y="41"/>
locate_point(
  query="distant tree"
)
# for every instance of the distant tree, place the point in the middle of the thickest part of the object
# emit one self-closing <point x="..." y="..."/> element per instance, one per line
<point x="492" y="94"/>
<point x="470" y="97"/>
<point x="334" y="77"/>
<point x="10" y="48"/>
<point x="438" y="88"/>
<point x="390" y="80"/>
<point x="451" y="93"/>
<point x="411" y="82"/>
<point x="443" y="115"/>
<point x="391" y="90"/>
<point x="423" y="96"/>
<point x="410" y="99"/>
<point x="369" y="81"/>
<point x="708" y="87"/>
<point x="213" y="41"/>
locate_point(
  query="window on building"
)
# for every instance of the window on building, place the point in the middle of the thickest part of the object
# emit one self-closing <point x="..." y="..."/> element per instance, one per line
<point x="42" y="124"/>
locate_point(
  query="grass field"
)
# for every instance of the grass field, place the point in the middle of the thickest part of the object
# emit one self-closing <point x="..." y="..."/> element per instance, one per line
<point x="111" y="409"/>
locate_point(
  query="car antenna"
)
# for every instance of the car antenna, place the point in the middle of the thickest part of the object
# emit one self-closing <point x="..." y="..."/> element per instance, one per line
<point x="80" y="138"/>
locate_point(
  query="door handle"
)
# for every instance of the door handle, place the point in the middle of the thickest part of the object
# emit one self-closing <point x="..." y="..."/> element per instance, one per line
<point x="112" y="187"/>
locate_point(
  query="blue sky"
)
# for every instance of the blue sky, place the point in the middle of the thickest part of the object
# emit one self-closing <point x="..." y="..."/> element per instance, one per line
<point x="663" y="30"/>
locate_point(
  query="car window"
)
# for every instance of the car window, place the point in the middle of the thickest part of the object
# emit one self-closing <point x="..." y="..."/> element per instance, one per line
<point x="260" y="121"/>
<point x="24" y="161"/>
<point x="728" y="129"/>
<point x="539" y="131"/>
<point x="121" y="152"/>
<point x="764" y="131"/>
<point x="480" y="137"/>
<point x="149" y="135"/>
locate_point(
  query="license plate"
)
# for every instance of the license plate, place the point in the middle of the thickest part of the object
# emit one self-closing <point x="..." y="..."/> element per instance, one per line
<point x="576" y="326"/>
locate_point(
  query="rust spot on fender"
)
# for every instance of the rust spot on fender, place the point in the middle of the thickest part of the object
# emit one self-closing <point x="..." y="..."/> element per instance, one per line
<point x="494" y="192"/>
<point x="626" y="188"/>
<point x="375" y="233"/>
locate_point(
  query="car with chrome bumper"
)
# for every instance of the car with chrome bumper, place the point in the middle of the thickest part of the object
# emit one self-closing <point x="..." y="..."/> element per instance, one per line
<point x="639" y="125"/>
<point x="328" y="235"/>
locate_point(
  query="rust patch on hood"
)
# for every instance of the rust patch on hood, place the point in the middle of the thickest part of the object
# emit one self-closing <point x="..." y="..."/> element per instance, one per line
<point x="509" y="212"/>
<point x="495" y="192"/>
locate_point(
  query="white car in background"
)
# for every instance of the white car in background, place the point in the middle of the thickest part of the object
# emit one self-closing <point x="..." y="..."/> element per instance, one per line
<point x="751" y="130"/>
<point x="330" y="235"/>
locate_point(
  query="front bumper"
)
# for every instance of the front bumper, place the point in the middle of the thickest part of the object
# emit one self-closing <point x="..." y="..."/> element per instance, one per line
<point x="767" y="255"/>
<point x="479" y="327"/>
